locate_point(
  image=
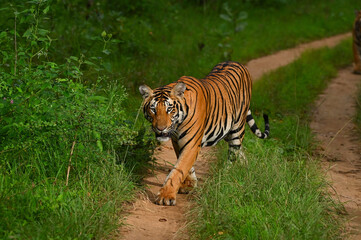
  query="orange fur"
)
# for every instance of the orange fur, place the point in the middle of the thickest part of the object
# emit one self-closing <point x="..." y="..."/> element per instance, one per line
<point x="195" y="113"/>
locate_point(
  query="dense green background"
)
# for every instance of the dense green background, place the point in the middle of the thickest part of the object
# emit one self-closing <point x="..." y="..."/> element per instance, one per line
<point x="158" y="41"/>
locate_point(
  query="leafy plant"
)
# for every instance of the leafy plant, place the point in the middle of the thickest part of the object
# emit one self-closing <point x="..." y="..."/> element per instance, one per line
<point x="236" y="19"/>
<point x="63" y="144"/>
<point x="237" y="23"/>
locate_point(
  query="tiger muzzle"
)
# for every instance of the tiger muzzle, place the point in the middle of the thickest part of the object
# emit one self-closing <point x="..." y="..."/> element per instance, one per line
<point x="162" y="134"/>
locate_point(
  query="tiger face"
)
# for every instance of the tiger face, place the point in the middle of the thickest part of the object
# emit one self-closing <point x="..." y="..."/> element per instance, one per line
<point x="163" y="108"/>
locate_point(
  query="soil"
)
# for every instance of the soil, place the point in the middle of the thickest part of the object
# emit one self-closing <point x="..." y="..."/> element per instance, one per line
<point x="146" y="220"/>
<point x="340" y="145"/>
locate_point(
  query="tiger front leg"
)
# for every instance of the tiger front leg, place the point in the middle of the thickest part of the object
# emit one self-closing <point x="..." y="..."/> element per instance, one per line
<point x="167" y="194"/>
<point x="190" y="182"/>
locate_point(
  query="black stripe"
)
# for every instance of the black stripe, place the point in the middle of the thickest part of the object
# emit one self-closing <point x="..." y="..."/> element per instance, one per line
<point x="254" y="128"/>
<point x="235" y="146"/>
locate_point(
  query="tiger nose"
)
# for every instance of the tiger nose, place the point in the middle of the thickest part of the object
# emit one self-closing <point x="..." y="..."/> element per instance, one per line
<point x="161" y="128"/>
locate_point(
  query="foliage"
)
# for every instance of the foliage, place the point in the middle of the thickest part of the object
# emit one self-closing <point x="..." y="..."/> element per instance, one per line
<point x="236" y="19"/>
<point x="63" y="145"/>
<point x="281" y="192"/>
<point x="151" y="39"/>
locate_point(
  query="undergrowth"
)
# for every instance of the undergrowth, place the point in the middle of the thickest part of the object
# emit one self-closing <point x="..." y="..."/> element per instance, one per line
<point x="68" y="151"/>
<point x="156" y="42"/>
<point x="281" y="193"/>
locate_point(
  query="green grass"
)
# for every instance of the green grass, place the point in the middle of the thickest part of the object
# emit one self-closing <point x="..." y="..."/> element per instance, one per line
<point x="37" y="141"/>
<point x="281" y="193"/>
<point x="69" y="152"/>
<point x="87" y="209"/>
<point x="173" y="53"/>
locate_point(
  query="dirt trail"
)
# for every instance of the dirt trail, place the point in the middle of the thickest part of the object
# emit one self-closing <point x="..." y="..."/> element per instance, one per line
<point x="262" y="65"/>
<point x="340" y="143"/>
<point x="146" y="219"/>
<point x="149" y="221"/>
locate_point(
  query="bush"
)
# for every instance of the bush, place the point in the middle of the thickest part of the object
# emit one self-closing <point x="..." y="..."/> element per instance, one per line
<point x="63" y="144"/>
<point x="46" y="105"/>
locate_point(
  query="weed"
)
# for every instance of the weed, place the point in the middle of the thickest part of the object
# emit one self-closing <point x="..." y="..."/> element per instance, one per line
<point x="62" y="144"/>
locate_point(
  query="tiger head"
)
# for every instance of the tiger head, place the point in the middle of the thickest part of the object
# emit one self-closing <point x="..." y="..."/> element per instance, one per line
<point x="163" y="107"/>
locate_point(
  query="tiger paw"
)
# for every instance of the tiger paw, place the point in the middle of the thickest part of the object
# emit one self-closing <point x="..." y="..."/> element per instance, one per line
<point x="189" y="183"/>
<point x="166" y="196"/>
<point x="187" y="186"/>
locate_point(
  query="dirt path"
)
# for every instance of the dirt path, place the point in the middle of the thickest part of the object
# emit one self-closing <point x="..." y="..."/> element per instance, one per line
<point x="260" y="66"/>
<point x="147" y="220"/>
<point x="340" y="143"/>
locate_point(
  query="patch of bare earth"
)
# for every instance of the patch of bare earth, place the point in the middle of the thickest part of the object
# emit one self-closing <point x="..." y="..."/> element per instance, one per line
<point x="146" y="220"/>
<point x="340" y="144"/>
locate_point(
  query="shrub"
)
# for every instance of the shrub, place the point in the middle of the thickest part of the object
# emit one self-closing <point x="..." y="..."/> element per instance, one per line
<point x="63" y="171"/>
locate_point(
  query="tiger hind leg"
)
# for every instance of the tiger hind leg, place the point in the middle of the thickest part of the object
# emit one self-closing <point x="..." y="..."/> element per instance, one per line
<point x="189" y="183"/>
<point x="235" y="153"/>
<point x="234" y="140"/>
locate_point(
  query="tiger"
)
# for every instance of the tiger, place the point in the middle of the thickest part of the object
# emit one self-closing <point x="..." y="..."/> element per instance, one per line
<point x="356" y="43"/>
<point x="197" y="113"/>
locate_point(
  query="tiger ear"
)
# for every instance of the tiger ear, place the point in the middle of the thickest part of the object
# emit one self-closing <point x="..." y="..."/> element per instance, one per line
<point x="145" y="91"/>
<point x="178" y="89"/>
